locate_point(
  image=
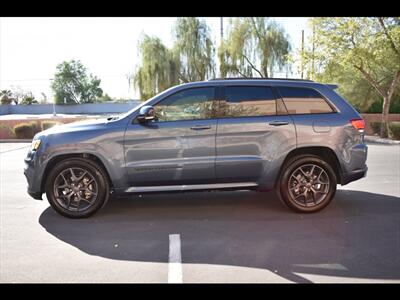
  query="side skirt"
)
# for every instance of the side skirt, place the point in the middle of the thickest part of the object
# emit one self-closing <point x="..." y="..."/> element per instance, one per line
<point x="171" y="188"/>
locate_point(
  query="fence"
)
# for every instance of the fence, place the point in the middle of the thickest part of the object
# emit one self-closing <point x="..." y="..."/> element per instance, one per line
<point x="371" y="118"/>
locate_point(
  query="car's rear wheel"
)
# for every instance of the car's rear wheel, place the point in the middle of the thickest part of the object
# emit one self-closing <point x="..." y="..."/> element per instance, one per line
<point x="307" y="183"/>
<point x="77" y="188"/>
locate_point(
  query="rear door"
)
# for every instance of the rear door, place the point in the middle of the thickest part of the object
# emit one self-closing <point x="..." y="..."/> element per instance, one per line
<point x="253" y="131"/>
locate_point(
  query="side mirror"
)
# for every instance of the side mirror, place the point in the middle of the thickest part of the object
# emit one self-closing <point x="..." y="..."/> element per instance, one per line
<point x="146" y="114"/>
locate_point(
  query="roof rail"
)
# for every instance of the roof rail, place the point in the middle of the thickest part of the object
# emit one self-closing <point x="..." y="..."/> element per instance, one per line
<point x="260" y="78"/>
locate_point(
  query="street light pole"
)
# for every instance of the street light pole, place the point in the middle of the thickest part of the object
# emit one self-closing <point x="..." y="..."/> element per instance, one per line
<point x="54" y="105"/>
<point x="54" y="109"/>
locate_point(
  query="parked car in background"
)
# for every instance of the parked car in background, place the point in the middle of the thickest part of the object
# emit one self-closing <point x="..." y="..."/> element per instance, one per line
<point x="295" y="136"/>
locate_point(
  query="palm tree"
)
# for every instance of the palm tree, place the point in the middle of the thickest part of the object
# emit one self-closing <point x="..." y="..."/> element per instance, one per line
<point x="6" y="97"/>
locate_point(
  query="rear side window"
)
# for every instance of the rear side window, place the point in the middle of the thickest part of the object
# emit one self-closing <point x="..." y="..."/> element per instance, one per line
<point x="304" y="101"/>
<point x="247" y="101"/>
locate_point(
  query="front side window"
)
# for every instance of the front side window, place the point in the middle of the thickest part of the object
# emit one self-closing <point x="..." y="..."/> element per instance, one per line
<point x="304" y="101"/>
<point x="190" y="104"/>
<point x="248" y="101"/>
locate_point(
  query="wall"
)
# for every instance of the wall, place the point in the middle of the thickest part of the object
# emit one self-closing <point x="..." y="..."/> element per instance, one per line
<point x="101" y="108"/>
<point x="6" y="126"/>
<point x="88" y="108"/>
<point x="369" y="118"/>
<point x="5" y="109"/>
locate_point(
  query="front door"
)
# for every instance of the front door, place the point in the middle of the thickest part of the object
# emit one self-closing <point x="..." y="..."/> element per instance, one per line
<point x="178" y="147"/>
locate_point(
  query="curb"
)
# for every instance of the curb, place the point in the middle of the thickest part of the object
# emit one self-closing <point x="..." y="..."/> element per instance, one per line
<point x="378" y="140"/>
<point x="15" y="140"/>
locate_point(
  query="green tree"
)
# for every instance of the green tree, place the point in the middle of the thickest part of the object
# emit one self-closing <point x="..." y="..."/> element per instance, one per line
<point x="6" y="97"/>
<point x="190" y="59"/>
<point x="17" y="94"/>
<point x="28" y="99"/>
<point x="367" y="47"/>
<point x="44" y="99"/>
<point x="253" y="47"/>
<point x="158" y="68"/>
<point x="72" y="84"/>
<point x="194" y="49"/>
<point x="104" y="98"/>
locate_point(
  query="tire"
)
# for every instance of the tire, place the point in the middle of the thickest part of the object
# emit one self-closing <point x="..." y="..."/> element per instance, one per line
<point x="75" y="198"/>
<point x="297" y="191"/>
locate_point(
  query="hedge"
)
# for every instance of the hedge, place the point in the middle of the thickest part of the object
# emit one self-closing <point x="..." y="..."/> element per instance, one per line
<point x="376" y="127"/>
<point x="376" y="107"/>
<point x="8" y="128"/>
<point x="49" y="124"/>
<point x="25" y="130"/>
<point x="394" y="128"/>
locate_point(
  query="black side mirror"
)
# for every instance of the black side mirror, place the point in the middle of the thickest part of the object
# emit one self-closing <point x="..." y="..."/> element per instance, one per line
<point x="146" y="114"/>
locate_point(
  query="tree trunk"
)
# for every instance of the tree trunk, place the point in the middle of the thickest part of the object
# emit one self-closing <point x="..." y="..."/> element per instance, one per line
<point x="385" y="117"/>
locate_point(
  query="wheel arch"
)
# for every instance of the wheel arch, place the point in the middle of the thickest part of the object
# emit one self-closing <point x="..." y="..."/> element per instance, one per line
<point x="58" y="158"/>
<point x="325" y="153"/>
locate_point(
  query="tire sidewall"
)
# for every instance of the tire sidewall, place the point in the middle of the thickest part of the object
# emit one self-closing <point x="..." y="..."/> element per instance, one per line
<point x="98" y="174"/>
<point x="293" y="165"/>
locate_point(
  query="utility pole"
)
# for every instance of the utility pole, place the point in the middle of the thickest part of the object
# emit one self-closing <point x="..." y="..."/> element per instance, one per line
<point x="222" y="38"/>
<point x="222" y="28"/>
<point x="302" y="54"/>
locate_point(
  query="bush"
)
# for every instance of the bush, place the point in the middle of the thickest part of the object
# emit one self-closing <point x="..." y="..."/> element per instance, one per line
<point x="395" y="130"/>
<point x="25" y="130"/>
<point x="376" y="106"/>
<point x="376" y="127"/>
<point x="49" y="124"/>
<point x="5" y="100"/>
<point x="8" y="128"/>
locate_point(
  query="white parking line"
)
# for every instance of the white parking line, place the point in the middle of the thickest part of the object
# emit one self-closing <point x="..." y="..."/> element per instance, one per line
<point x="175" y="259"/>
<point x="14" y="149"/>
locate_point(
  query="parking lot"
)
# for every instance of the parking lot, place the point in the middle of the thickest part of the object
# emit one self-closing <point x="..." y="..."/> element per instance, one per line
<point x="205" y="236"/>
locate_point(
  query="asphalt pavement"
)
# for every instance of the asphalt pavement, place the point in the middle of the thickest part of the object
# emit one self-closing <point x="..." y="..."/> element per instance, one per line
<point x="205" y="236"/>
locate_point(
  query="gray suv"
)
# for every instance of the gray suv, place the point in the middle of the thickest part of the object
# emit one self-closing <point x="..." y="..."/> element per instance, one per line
<point x="298" y="137"/>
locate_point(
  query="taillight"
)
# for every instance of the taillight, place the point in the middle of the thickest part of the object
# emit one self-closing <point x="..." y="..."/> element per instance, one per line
<point x="358" y="124"/>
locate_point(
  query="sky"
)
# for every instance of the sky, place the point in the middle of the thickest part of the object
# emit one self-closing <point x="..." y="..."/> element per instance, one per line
<point x="31" y="48"/>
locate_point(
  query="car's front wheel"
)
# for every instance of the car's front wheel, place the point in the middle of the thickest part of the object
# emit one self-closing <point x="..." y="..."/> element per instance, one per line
<point x="307" y="183"/>
<point x="77" y="187"/>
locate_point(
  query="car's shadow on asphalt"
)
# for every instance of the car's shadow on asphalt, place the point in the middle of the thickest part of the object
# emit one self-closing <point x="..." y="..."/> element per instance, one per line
<point x="356" y="236"/>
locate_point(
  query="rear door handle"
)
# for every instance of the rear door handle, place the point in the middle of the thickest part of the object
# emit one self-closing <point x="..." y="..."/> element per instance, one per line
<point x="200" y="127"/>
<point x="278" y="123"/>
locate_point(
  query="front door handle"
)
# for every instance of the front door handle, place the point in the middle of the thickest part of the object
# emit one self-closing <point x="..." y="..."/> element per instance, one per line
<point x="200" y="127"/>
<point x="278" y="123"/>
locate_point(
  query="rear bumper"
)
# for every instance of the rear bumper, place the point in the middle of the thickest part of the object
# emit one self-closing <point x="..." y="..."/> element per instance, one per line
<point x="353" y="176"/>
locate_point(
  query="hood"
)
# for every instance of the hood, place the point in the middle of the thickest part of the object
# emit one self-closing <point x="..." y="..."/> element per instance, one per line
<point x="74" y="126"/>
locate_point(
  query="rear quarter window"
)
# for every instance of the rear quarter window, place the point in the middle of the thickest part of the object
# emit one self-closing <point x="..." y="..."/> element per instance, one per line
<point x="304" y="101"/>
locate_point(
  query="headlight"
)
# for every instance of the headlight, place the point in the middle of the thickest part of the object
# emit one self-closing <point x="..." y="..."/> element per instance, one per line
<point x="35" y="144"/>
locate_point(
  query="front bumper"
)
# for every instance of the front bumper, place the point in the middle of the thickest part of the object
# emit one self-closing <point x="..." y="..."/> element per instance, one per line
<point x="31" y="172"/>
<point x="35" y="195"/>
